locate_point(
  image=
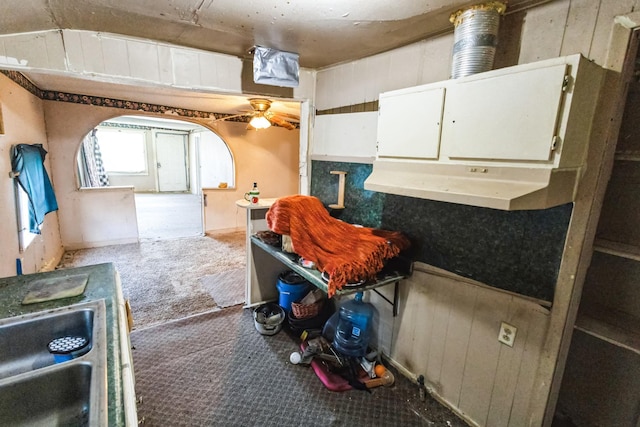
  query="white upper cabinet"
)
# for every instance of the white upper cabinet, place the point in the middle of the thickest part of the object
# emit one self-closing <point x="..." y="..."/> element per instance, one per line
<point x="511" y="114"/>
<point x="509" y="117"/>
<point x="512" y="138"/>
<point x="409" y="123"/>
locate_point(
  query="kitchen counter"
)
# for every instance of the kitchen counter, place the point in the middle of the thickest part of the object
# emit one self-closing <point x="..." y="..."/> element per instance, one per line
<point x="103" y="283"/>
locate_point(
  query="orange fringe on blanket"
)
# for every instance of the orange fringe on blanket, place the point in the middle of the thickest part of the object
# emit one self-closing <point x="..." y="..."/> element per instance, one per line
<point x="346" y="252"/>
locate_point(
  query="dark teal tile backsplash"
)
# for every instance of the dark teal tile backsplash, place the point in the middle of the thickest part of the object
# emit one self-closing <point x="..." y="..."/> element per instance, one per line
<point x="519" y="251"/>
<point x="361" y="206"/>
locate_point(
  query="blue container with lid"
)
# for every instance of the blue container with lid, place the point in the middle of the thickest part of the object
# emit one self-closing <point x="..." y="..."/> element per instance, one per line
<point x="353" y="331"/>
<point x="292" y="288"/>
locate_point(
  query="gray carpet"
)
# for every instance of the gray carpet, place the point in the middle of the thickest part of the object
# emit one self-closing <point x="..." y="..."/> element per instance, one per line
<point x="168" y="215"/>
<point x="226" y="288"/>
<point x="216" y="369"/>
<point x="161" y="278"/>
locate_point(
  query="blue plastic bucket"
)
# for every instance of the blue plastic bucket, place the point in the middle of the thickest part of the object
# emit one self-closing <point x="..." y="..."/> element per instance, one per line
<point x="292" y="287"/>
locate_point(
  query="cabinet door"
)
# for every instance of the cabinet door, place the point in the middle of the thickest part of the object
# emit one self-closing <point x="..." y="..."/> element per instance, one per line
<point x="409" y="124"/>
<point x="509" y="117"/>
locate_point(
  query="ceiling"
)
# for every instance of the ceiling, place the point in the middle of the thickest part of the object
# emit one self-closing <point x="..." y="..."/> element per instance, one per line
<point x="322" y="32"/>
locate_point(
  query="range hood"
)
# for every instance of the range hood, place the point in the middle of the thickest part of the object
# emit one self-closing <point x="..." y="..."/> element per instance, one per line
<point x="505" y="188"/>
<point x="512" y="139"/>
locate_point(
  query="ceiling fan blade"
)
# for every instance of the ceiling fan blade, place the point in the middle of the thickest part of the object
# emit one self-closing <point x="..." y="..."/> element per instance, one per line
<point x="275" y="119"/>
<point x="289" y="116"/>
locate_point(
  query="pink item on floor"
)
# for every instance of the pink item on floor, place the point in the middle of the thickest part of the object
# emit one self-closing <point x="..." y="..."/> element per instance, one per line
<point x="333" y="382"/>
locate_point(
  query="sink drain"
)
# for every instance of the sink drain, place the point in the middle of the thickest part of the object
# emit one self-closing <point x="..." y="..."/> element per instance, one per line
<point x="66" y="345"/>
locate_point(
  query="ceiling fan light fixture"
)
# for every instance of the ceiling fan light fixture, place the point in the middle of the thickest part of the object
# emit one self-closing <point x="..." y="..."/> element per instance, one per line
<point x="259" y="122"/>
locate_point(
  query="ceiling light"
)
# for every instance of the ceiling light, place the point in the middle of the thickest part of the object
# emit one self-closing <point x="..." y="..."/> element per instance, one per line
<point x="260" y="122"/>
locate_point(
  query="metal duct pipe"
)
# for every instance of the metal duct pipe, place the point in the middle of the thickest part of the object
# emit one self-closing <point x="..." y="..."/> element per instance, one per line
<point x="475" y="38"/>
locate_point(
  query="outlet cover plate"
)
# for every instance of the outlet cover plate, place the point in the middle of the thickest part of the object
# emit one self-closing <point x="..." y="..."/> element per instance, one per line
<point x="507" y="334"/>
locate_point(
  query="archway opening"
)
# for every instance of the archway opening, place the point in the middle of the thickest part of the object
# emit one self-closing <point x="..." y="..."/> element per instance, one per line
<point x="168" y="163"/>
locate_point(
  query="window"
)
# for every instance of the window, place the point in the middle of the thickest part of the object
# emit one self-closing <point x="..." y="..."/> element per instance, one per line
<point x="22" y="204"/>
<point x="34" y="194"/>
<point x="123" y="150"/>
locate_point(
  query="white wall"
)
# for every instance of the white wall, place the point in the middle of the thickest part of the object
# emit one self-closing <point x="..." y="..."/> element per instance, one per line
<point x="91" y="217"/>
<point x="345" y="137"/>
<point x="216" y="162"/>
<point x="24" y="123"/>
<point x="106" y="216"/>
<point x="115" y="58"/>
<point x="193" y="164"/>
<point x="362" y="81"/>
<point x="269" y="157"/>
<point x="128" y="60"/>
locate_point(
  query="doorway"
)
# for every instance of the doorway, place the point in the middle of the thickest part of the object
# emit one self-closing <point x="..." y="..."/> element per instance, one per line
<point x="167" y="162"/>
<point x="171" y="161"/>
<point x="168" y="215"/>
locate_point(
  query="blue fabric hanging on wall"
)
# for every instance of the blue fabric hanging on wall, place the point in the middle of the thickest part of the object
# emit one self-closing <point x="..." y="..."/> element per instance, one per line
<point x="28" y="162"/>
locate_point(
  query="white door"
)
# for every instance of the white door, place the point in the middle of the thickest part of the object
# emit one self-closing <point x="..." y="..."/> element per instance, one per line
<point x="171" y="157"/>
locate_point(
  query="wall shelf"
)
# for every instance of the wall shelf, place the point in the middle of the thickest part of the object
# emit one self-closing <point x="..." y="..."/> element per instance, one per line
<point x="602" y="369"/>
<point x="628" y="156"/>
<point x="615" y="327"/>
<point x="617" y="249"/>
<point x="314" y="276"/>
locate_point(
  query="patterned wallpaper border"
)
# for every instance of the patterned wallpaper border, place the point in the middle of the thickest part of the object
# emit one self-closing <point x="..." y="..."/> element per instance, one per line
<point x="101" y="101"/>
<point x="21" y="80"/>
<point x="356" y="108"/>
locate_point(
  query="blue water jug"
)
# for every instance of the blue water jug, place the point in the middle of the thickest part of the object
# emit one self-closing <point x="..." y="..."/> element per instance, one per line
<point x="354" y="327"/>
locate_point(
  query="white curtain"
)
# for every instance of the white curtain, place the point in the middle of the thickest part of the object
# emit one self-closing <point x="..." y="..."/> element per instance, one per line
<point x="90" y="167"/>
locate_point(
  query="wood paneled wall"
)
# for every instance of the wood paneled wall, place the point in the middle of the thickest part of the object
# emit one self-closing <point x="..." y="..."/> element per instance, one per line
<point x="447" y="330"/>
<point x="557" y="28"/>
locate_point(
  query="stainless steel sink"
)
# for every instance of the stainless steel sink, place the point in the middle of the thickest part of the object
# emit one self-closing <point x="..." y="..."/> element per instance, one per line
<point x="23" y="342"/>
<point x="35" y="388"/>
<point x="59" y="396"/>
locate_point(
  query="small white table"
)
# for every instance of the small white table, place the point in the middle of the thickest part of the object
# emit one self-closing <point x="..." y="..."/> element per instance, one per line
<point x="255" y="222"/>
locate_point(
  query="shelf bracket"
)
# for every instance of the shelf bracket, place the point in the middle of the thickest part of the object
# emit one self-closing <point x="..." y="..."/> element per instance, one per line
<point x="341" y="182"/>
<point x="393" y="303"/>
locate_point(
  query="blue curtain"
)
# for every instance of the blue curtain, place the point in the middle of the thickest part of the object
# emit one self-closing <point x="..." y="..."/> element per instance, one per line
<point x="27" y="162"/>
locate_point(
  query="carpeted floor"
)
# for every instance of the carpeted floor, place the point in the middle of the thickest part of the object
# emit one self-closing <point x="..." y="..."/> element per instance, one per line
<point x="227" y="287"/>
<point x="199" y="364"/>
<point x="216" y="369"/>
<point x="168" y="215"/>
<point x="162" y="278"/>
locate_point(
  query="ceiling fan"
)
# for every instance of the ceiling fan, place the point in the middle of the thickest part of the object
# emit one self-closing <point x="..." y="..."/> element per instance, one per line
<point x="260" y="117"/>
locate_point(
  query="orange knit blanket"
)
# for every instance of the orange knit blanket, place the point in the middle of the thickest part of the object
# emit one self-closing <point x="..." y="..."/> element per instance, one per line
<point x="346" y="252"/>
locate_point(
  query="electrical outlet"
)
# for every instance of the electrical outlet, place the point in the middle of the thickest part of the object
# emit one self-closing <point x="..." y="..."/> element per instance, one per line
<point x="507" y="334"/>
